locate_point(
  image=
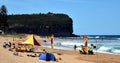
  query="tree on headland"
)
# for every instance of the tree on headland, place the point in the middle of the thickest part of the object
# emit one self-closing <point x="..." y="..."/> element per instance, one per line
<point x="3" y="18"/>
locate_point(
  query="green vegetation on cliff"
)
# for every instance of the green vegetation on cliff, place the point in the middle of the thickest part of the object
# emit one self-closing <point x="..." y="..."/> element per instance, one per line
<point x="42" y="24"/>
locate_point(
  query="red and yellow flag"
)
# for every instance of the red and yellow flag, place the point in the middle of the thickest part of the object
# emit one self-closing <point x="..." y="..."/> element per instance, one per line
<point x="86" y="44"/>
<point x="51" y="36"/>
<point x="85" y="38"/>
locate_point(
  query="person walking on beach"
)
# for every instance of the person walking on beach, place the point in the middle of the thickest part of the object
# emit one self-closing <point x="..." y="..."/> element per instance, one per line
<point x="75" y="47"/>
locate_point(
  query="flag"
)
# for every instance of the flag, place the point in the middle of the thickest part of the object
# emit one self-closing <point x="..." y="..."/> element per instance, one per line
<point x="86" y="44"/>
<point x="51" y="36"/>
<point x="85" y="38"/>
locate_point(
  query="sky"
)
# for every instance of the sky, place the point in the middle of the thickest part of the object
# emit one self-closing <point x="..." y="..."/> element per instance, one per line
<point x="90" y="17"/>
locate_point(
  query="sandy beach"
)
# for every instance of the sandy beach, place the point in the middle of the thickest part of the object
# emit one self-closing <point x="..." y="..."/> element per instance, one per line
<point x="66" y="56"/>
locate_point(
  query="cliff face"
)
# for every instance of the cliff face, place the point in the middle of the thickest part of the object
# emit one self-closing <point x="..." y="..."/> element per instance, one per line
<point x="41" y="24"/>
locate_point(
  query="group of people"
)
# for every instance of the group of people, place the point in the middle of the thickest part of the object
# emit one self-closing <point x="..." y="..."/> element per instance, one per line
<point x="15" y="48"/>
<point x="10" y="45"/>
<point x="18" y="48"/>
<point x="91" y="47"/>
<point x="7" y="45"/>
<point x="85" y="50"/>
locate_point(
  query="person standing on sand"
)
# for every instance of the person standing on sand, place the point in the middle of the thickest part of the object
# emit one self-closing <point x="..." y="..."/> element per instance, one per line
<point x="75" y="47"/>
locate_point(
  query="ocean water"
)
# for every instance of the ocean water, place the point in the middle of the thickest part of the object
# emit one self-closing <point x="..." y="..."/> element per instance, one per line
<point x="102" y="46"/>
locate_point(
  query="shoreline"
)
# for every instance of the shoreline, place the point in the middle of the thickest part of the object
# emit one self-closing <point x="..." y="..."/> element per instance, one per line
<point x="96" y="58"/>
<point x="68" y="56"/>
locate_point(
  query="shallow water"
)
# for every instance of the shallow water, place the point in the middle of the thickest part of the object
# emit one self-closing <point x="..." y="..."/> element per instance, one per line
<point x="102" y="46"/>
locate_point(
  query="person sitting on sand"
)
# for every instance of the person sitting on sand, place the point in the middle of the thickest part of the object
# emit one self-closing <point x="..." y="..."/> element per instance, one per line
<point x="4" y="44"/>
<point x="13" y="46"/>
<point x="32" y="49"/>
<point x="10" y="44"/>
<point x="17" y="54"/>
<point x="32" y="55"/>
<point x="44" y="51"/>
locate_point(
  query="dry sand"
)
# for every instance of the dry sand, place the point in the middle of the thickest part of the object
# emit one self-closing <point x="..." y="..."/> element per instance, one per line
<point x="7" y="56"/>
